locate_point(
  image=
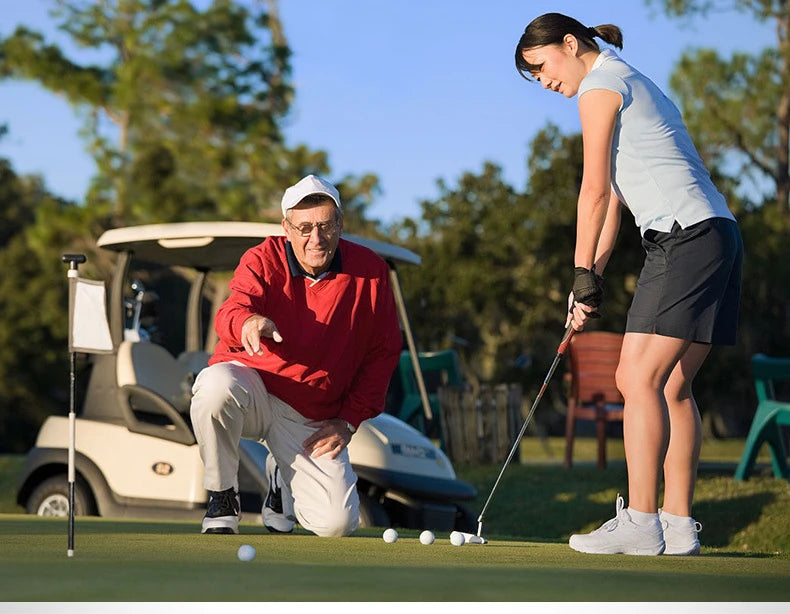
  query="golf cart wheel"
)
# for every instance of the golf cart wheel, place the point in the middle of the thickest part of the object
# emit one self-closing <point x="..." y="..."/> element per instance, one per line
<point x="51" y="498"/>
<point x="372" y="513"/>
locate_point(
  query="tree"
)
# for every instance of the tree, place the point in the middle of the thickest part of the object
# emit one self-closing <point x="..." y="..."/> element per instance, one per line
<point x="468" y="288"/>
<point x="739" y="109"/>
<point x="33" y="293"/>
<point x="183" y="114"/>
<point x="555" y="169"/>
<point x="497" y="267"/>
<point x="738" y="112"/>
<point x="15" y="212"/>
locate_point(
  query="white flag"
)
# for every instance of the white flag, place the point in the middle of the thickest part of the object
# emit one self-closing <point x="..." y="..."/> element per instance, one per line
<point x="89" y="331"/>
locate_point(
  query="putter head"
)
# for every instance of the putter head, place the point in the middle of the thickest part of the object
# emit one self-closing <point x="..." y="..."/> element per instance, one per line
<point x="471" y="538"/>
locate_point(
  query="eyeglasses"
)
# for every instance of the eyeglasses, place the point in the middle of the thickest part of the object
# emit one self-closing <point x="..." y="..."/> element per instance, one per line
<point x="324" y="228"/>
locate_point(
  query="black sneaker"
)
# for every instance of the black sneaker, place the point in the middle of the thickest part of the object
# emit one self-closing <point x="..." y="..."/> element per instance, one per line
<point x="274" y="515"/>
<point x="223" y="512"/>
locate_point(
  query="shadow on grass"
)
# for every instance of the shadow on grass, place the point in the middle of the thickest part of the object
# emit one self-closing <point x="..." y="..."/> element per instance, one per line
<point x="12" y="524"/>
<point x="543" y="503"/>
<point x="738" y="555"/>
<point x="548" y="504"/>
<point x="725" y="518"/>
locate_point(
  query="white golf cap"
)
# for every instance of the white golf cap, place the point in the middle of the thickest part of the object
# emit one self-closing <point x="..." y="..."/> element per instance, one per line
<point x="309" y="185"/>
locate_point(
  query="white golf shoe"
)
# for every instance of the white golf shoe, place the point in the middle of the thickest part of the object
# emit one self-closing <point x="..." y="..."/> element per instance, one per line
<point x="680" y="534"/>
<point x="277" y="512"/>
<point x="621" y="535"/>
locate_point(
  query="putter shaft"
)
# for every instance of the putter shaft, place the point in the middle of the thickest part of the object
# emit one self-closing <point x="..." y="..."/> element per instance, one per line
<point x="566" y="338"/>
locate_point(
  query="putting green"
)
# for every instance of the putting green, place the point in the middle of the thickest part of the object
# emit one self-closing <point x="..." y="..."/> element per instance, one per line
<point x="166" y="561"/>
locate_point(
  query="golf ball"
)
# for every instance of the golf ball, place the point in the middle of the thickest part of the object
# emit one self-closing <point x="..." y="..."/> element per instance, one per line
<point x="390" y="536"/>
<point x="426" y="537"/>
<point x="246" y="553"/>
<point x="457" y="538"/>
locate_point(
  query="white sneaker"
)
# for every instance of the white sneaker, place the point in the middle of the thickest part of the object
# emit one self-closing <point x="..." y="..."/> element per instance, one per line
<point x="680" y="534"/>
<point x="621" y="535"/>
<point x="277" y="510"/>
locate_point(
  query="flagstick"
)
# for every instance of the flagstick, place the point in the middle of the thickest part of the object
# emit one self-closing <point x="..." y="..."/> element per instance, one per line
<point x="74" y="261"/>
<point x="72" y="433"/>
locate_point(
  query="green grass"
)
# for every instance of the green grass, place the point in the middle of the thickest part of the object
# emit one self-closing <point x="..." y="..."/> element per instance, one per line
<point x="161" y="561"/>
<point x="540" y="499"/>
<point x="745" y="554"/>
<point x="10" y="468"/>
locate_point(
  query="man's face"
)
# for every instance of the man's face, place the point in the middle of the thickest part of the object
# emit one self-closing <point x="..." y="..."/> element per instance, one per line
<point x="316" y="250"/>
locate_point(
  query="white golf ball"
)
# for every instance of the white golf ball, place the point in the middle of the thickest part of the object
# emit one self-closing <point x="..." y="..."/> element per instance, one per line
<point x="246" y="553"/>
<point x="457" y="538"/>
<point x="426" y="537"/>
<point x="390" y="536"/>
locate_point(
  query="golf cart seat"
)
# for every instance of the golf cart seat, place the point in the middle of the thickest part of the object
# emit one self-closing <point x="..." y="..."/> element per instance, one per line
<point x="193" y="361"/>
<point x="154" y="391"/>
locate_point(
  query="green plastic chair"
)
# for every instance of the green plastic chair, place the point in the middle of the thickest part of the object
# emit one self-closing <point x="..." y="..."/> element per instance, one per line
<point x="770" y="417"/>
<point x="438" y="369"/>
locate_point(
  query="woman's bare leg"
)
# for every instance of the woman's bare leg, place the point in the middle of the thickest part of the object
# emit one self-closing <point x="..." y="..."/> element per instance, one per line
<point x="646" y="362"/>
<point x="685" y="440"/>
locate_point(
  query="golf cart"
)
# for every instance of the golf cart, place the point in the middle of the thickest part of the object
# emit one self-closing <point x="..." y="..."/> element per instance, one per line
<point x="136" y="454"/>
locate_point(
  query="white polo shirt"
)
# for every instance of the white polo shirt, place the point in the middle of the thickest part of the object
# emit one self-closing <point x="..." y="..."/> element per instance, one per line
<point x="656" y="170"/>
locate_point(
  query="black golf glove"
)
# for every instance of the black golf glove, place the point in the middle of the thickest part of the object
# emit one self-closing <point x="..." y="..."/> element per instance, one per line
<point x="588" y="288"/>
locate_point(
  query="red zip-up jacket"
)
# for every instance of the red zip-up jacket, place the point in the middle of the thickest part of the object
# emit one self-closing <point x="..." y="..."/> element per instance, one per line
<point x="341" y="337"/>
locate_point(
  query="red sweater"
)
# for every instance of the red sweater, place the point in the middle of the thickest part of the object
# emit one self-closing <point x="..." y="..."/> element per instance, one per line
<point x="341" y="338"/>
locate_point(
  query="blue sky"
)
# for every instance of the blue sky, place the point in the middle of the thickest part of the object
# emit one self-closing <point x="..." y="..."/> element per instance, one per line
<point x="411" y="90"/>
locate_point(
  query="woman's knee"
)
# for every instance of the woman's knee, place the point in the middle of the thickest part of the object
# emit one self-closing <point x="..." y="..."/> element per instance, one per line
<point x="631" y="380"/>
<point x="621" y="377"/>
<point x="678" y="392"/>
<point x="680" y="383"/>
<point x="637" y="375"/>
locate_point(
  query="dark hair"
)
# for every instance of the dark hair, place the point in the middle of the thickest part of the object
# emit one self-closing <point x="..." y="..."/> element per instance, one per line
<point x="551" y="28"/>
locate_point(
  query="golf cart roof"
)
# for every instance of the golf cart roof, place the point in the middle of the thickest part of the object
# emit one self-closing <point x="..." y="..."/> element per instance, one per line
<point x="186" y="243"/>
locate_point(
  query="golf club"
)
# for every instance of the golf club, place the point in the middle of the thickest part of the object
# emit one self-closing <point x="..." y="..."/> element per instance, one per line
<point x="566" y="339"/>
<point x="471" y="538"/>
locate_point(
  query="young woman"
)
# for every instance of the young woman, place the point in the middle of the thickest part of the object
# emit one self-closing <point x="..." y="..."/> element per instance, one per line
<point x="638" y="154"/>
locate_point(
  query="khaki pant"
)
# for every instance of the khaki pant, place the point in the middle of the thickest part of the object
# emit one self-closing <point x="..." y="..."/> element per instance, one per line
<point x="230" y="402"/>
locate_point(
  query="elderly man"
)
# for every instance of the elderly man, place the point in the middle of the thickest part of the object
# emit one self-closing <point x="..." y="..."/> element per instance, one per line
<point x="308" y="341"/>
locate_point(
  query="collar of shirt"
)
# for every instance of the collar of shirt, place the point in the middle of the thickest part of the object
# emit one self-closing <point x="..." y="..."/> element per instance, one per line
<point x="606" y="54"/>
<point x="336" y="266"/>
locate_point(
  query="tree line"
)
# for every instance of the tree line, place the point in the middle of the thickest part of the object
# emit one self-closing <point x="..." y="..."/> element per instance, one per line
<point x="184" y="119"/>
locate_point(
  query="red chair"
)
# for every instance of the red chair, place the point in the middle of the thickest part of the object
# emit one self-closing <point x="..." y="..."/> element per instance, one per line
<point x="593" y="394"/>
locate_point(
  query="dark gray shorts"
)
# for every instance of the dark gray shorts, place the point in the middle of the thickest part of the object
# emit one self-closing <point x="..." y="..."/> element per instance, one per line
<point x="690" y="285"/>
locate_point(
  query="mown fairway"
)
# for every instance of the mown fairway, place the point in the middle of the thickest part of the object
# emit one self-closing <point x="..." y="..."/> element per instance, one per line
<point x="165" y="561"/>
